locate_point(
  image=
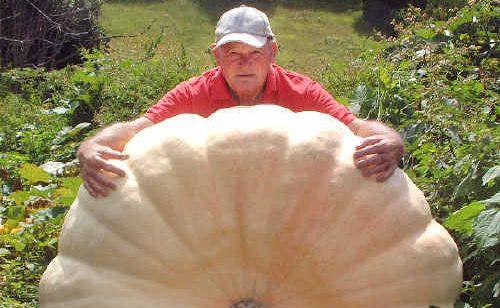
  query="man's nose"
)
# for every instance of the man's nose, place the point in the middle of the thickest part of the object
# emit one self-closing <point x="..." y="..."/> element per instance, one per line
<point x="245" y="60"/>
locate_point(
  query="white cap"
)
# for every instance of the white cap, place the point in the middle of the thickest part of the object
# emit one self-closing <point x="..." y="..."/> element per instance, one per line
<point x="243" y="24"/>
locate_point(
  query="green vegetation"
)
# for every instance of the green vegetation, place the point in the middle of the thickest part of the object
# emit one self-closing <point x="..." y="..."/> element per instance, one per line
<point x="436" y="83"/>
<point x="333" y="30"/>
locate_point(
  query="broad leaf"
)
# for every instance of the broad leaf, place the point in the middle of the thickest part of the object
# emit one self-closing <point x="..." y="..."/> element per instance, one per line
<point x="4" y="252"/>
<point x="49" y="213"/>
<point x="491" y="174"/>
<point x="487" y="228"/>
<point x="359" y="97"/>
<point x="34" y="174"/>
<point x="15" y="212"/>
<point x="467" y="184"/>
<point x="19" y="196"/>
<point x="493" y="200"/>
<point x="425" y="33"/>
<point x="462" y="219"/>
<point x="66" y="194"/>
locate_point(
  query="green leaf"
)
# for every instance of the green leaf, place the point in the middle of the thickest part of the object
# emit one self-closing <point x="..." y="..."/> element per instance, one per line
<point x="425" y="33"/>
<point x="496" y="289"/>
<point x="463" y="219"/>
<point x="460" y="304"/>
<point x="19" y="196"/>
<point x="49" y="213"/>
<point x="68" y="190"/>
<point x="19" y="245"/>
<point x="467" y="184"/>
<point x="16" y="212"/>
<point x="11" y="223"/>
<point x="358" y="98"/>
<point x="4" y="252"/>
<point x="493" y="200"/>
<point x="487" y="228"/>
<point x="491" y="174"/>
<point x="34" y="174"/>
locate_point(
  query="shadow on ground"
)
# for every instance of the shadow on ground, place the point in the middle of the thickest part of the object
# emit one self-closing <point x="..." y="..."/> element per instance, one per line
<point x="215" y="8"/>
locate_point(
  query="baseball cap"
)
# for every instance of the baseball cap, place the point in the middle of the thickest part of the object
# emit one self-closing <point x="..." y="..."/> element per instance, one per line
<point x="243" y="24"/>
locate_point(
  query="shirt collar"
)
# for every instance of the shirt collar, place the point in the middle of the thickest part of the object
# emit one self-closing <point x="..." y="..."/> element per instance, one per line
<point x="219" y="89"/>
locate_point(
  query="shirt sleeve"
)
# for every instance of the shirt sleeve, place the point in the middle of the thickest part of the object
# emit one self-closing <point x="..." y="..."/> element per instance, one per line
<point x="320" y="100"/>
<point x="176" y="101"/>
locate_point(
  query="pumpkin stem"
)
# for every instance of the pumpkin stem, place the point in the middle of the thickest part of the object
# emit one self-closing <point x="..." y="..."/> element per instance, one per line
<point x="248" y="303"/>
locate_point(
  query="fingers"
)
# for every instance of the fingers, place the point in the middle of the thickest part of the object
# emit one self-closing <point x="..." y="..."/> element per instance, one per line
<point x="105" y="165"/>
<point x="96" y="182"/>
<point x="108" y="153"/>
<point x="104" y="181"/>
<point x="373" y="160"/>
<point x="369" y="141"/>
<point x="384" y="175"/>
<point x="379" y="147"/>
<point x="96" y="187"/>
<point x="93" y="159"/>
<point x="91" y="191"/>
<point x="368" y="171"/>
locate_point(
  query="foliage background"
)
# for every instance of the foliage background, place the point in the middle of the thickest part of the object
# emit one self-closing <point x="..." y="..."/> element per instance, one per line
<point x="436" y="83"/>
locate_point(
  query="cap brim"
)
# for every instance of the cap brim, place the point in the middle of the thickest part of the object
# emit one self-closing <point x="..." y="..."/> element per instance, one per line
<point x="252" y="40"/>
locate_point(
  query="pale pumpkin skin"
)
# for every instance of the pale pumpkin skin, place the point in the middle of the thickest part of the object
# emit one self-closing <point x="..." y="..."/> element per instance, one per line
<point x="252" y="203"/>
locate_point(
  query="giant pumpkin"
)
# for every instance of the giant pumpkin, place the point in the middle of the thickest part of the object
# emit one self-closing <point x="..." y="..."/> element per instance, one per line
<point x="251" y="207"/>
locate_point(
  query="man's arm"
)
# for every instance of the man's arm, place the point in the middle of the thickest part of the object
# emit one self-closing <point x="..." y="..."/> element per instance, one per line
<point x="380" y="151"/>
<point x="94" y="152"/>
<point x="382" y="147"/>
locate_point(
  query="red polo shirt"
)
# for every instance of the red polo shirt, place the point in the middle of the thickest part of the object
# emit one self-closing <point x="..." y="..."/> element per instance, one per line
<point x="209" y="92"/>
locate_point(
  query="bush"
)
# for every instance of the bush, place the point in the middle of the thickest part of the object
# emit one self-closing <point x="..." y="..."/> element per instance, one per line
<point x="437" y="84"/>
<point x="380" y="13"/>
<point x="57" y="30"/>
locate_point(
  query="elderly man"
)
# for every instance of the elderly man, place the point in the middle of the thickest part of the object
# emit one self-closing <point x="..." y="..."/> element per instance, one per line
<point x="246" y="74"/>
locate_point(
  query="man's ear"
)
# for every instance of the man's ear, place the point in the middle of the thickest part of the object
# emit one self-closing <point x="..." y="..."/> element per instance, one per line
<point x="275" y="50"/>
<point x="215" y="53"/>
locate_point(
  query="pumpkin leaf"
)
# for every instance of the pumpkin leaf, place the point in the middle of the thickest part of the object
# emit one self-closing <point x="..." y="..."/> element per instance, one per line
<point x="358" y="98"/>
<point x="19" y="196"/>
<point x="425" y="33"/>
<point x="460" y="304"/>
<point x="462" y="220"/>
<point x="487" y="228"/>
<point x="34" y="174"/>
<point x="49" y="213"/>
<point x="496" y="289"/>
<point x="493" y="200"/>
<point x="491" y="174"/>
<point x="467" y="184"/>
<point x="4" y="252"/>
<point x="15" y="212"/>
<point x="67" y="192"/>
<point x="18" y="245"/>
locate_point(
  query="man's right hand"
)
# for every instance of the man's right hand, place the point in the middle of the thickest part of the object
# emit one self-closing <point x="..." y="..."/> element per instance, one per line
<point x="107" y="144"/>
<point x="93" y="160"/>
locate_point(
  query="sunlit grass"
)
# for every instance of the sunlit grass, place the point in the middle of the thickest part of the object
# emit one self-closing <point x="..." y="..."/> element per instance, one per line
<point x="308" y="37"/>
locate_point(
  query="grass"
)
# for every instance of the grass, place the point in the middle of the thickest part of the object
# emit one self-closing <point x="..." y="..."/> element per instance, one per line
<point x="310" y="34"/>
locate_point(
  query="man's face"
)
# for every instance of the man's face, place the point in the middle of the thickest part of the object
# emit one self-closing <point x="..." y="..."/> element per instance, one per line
<point x="245" y="67"/>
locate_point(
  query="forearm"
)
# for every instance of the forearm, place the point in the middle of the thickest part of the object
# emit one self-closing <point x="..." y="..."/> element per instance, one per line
<point x="371" y="128"/>
<point x="117" y="135"/>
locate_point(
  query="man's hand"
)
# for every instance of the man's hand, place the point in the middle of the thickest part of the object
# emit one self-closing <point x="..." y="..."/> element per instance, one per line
<point x="107" y="144"/>
<point x="378" y="154"/>
<point x="93" y="160"/>
<point x="380" y="151"/>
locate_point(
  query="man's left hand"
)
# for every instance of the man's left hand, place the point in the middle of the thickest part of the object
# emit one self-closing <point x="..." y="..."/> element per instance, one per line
<point x="380" y="155"/>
